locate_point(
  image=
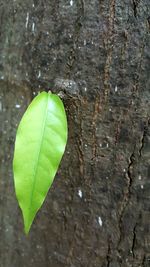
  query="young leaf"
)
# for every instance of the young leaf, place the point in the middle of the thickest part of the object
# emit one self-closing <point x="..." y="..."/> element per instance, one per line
<point x="40" y="143"/>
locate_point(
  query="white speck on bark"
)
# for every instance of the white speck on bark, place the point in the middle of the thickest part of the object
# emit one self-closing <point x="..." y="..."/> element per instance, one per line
<point x="140" y="177"/>
<point x="71" y="2"/>
<point x="33" y="27"/>
<point x="39" y="74"/>
<point x="80" y="193"/>
<point x="100" y="221"/>
<point x="18" y="106"/>
<point x="27" y="20"/>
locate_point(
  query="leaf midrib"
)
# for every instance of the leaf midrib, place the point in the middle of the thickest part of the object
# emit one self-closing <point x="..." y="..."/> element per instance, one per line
<point x="38" y="156"/>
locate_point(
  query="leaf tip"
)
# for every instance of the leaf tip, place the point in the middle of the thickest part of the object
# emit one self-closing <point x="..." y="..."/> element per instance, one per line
<point x="27" y="224"/>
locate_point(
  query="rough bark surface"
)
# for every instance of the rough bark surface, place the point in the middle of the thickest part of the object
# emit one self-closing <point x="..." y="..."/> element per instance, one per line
<point x="97" y="212"/>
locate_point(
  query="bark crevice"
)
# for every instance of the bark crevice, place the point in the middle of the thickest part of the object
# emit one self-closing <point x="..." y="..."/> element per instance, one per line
<point x="134" y="240"/>
<point x="108" y="256"/>
<point x="145" y="132"/>
<point x="109" y="46"/>
<point x="77" y="29"/>
<point x="127" y="194"/>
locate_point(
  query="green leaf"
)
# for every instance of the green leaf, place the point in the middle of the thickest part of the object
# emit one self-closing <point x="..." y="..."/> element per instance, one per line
<point x="40" y="144"/>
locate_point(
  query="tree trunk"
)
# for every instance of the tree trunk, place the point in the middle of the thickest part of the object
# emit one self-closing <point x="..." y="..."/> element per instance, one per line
<point x="97" y="52"/>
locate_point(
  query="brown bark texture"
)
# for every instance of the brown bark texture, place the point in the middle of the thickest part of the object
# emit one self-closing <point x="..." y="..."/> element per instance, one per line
<point x="97" y="53"/>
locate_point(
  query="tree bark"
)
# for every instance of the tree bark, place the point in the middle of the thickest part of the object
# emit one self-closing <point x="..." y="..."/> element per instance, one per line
<point x="96" y="52"/>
